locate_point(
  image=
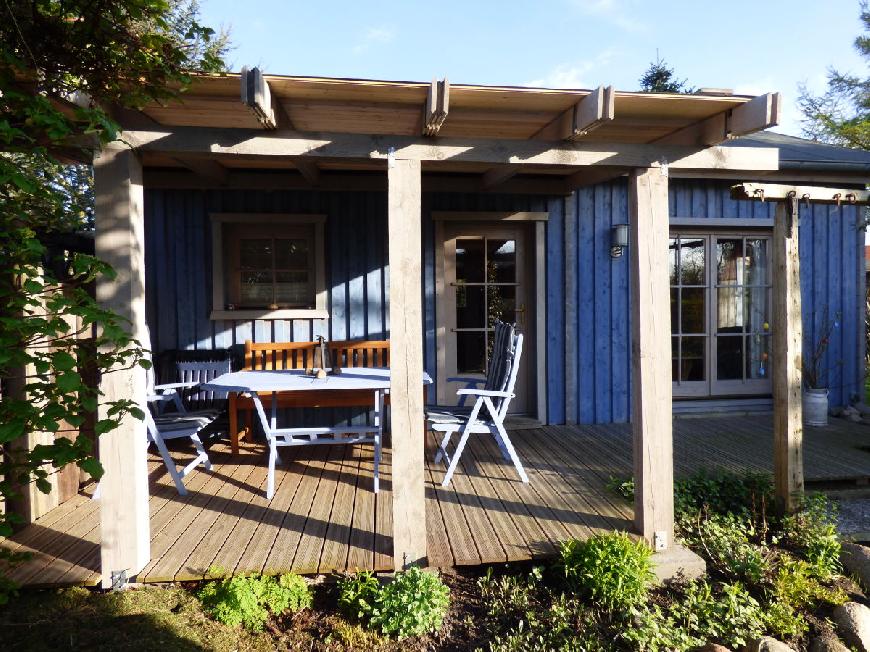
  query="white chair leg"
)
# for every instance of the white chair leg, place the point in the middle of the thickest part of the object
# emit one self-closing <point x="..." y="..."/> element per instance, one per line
<point x="456" y="455"/>
<point x="270" y="482"/>
<point x="511" y="452"/>
<point x="442" y="448"/>
<point x="377" y="461"/>
<point x="170" y="465"/>
<point x="200" y="449"/>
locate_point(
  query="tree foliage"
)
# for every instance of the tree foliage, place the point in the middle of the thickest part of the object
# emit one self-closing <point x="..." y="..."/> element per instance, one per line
<point x="659" y="78"/>
<point x="841" y="115"/>
<point x="64" y="66"/>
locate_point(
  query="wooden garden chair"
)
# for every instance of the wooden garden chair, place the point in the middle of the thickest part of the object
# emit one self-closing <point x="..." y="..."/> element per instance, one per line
<point x="490" y="407"/>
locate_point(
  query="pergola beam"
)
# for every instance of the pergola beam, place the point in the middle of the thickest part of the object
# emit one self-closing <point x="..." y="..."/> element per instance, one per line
<point x="289" y="144"/>
<point x="498" y="175"/>
<point x="817" y="194"/>
<point x="758" y="114"/>
<point x="592" y="175"/>
<point x="437" y="106"/>
<point x="257" y="96"/>
<point x="309" y="170"/>
<point x="593" y="111"/>
<point x="206" y="168"/>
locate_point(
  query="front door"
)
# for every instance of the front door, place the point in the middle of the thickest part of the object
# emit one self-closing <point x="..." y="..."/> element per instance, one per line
<point x="486" y="276"/>
<point x="720" y="314"/>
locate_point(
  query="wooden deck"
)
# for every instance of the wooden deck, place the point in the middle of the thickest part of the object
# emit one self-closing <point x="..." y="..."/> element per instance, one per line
<point x="324" y="516"/>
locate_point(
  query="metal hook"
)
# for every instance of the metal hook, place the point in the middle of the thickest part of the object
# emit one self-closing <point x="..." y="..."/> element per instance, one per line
<point x="759" y="192"/>
<point x="837" y="199"/>
<point x="851" y="198"/>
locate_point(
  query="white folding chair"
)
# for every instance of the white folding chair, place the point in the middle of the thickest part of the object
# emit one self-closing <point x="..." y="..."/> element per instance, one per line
<point x="164" y="426"/>
<point x="490" y="407"/>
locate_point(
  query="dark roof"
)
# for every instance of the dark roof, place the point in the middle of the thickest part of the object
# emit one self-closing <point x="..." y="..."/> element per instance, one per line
<point x="800" y="153"/>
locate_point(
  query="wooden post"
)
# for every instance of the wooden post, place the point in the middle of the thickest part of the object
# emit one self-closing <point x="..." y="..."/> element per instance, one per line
<point x="651" y="357"/>
<point x="787" y="332"/>
<point x="406" y="362"/>
<point x="120" y="241"/>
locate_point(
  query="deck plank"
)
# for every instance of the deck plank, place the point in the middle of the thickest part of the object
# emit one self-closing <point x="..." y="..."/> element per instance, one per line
<point x="286" y="545"/>
<point x="337" y="537"/>
<point x="360" y="554"/>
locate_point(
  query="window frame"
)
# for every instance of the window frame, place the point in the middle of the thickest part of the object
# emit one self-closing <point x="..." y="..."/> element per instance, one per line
<point x="289" y="222"/>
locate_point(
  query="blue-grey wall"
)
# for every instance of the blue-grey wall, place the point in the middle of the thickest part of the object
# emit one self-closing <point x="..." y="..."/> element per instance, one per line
<point x="179" y="267"/>
<point x="178" y="278"/>
<point x="832" y="283"/>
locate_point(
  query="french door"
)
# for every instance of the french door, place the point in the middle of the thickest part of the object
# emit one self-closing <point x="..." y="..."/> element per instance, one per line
<point x="485" y="277"/>
<point x="720" y="314"/>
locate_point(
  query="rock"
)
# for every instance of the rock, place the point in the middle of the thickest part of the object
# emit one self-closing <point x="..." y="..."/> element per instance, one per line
<point x="853" y="624"/>
<point x="767" y="644"/>
<point x="837" y="412"/>
<point x="827" y="643"/>
<point x="856" y="418"/>
<point x="711" y="647"/>
<point x="856" y="561"/>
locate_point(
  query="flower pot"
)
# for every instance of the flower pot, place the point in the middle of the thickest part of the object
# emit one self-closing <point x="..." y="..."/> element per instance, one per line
<point x="816" y="407"/>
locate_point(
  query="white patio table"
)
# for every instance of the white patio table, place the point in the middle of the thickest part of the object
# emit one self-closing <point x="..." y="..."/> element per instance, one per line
<point x="254" y="383"/>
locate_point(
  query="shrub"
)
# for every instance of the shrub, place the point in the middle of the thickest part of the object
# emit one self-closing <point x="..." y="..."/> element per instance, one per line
<point x="247" y="600"/>
<point x="611" y="568"/>
<point x="730" y="617"/>
<point x="358" y="595"/>
<point x="796" y="584"/>
<point x="725" y="541"/>
<point x="414" y="603"/>
<point x="722" y="492"/>
<point x="812" y="531"/>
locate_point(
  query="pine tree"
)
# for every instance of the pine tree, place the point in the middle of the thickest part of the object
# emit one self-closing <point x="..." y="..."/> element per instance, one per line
<point x="841" y="115"/>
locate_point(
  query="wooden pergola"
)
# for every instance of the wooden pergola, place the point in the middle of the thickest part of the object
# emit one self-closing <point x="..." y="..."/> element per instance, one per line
<point x="408" y="137"/>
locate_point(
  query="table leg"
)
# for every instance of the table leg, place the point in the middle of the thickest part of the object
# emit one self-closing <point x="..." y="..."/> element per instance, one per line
<point x="379" y="435"/>
<point x="234" y="423"/>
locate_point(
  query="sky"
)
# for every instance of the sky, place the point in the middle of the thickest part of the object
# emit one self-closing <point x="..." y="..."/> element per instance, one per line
<point x="751" y="47"/>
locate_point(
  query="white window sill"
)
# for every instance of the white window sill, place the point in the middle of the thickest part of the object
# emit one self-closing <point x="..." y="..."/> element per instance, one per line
<point x="295" y="313"/>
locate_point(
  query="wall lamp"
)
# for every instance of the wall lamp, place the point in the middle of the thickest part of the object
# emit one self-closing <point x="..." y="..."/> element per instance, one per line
<point x="618" y="239"/>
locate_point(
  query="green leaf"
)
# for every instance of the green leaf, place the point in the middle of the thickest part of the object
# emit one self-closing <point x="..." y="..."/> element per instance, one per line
<point x="68" y="382"/>
<point x="63" y="361"/>
<point x="92" y="467"/>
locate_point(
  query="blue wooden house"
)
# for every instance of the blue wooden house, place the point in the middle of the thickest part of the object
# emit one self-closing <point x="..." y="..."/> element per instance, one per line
<point x="603" y="223"/>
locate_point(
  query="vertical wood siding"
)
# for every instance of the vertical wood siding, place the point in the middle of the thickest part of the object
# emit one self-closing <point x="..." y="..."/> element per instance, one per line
<point x="832" y="284"/>
<point x="179" y="268"/>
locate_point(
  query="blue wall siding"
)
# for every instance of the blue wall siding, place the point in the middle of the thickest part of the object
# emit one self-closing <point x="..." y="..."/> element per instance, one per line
<point x="179" y="267"/>
<point x="832" y="284"/>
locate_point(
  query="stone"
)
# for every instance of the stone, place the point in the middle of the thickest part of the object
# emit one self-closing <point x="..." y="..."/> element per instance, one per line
<point x="767" y="644"/>
<point x="856" y="561"/>
<point x="853" y="624"/>
<point x="677" y="562"/>
<point x="827" y="643"/>
<point x="711" y="647"/>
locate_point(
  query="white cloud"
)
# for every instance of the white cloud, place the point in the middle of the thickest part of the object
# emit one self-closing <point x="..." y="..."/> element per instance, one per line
<point x="618" y="12"/>
<point x="374" y="36"/>
<point x="574" y="75"/>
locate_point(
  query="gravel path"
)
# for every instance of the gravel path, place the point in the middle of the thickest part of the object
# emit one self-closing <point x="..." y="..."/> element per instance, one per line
<point x="854" y="515"/>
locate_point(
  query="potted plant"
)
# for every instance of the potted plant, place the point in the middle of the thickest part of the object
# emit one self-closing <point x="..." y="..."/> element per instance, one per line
<point x="815" y="400"/>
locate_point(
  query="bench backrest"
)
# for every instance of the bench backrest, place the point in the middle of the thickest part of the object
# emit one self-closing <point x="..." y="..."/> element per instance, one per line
<point x="301" y="355"/>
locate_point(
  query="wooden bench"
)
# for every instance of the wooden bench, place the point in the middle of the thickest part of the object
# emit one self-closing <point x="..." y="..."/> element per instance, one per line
<point x="301" y="355"/>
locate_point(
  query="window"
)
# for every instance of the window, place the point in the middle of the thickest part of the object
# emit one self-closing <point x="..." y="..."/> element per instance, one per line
<point x="720" y="313"/>
<point x="268" y="267"/>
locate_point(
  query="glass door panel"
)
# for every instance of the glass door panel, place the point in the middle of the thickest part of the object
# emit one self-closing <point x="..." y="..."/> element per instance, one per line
<point x="688" y="258"/>
<point x="742" y="298"/>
